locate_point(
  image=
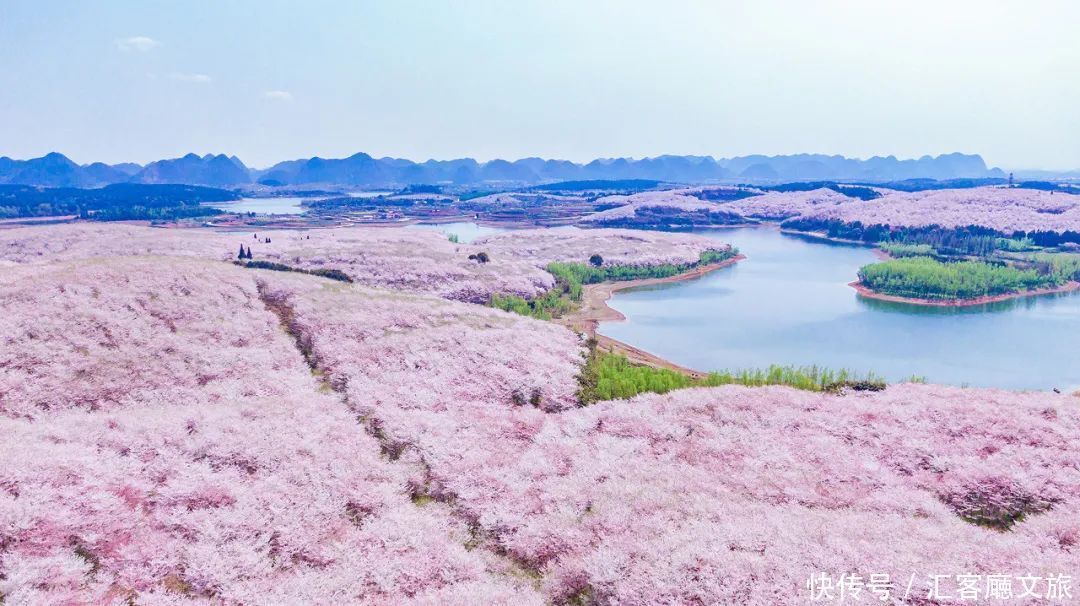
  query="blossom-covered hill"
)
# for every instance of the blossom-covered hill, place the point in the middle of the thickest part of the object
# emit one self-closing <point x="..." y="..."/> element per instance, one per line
<point x="1002" y="209"/>
<point x="661" y="210"/>
<point x="419" y="261"/>
<point x="616" y="246"/>
<point x="696" y="205"/>
<point x="708" y="495"/>
<point x="165" y="442"/>
<point x="178" y="429"/>
<point x="1005" y="210"/>
<point x="627" y="205"/>
<point x="781" y="205"/>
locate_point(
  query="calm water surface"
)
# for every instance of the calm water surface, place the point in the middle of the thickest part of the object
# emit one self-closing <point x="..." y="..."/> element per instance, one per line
<point x="261" y="206"/>
<point x="789" y="303"/>
<point x="465" y="231"/>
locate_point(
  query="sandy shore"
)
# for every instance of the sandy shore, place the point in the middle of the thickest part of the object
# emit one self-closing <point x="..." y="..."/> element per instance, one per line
<point x="594" y="309"/>
<point x="869" y="294"/>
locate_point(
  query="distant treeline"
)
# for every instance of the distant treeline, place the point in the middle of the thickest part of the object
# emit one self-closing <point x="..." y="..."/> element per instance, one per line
<point x="121" y="201"/>
<point x="1050" y="186"/>
<point x="928" y="184"/>
<point x="969" y="240"/>
<point x="855" y="191"/>
<point x="600" y="184"/>
<point x="421" y="188"/>
<point x="725" y="194"/>
<point x="865" y="191"/>
<point x="150" y="213"/>
<point x="345" y="203"/>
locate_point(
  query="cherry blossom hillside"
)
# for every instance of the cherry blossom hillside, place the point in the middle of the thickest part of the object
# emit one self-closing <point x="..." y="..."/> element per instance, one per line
<point x="777" y="205"/>
<point x="182" y="430"/>
<point x="84" y="240"/>
<point x="616" y="246"/>
<point x="165" y="442"/>
<point x="412" y="260"/>
<point x="664" y="209"/>
<point x="708" y="206"/>
<point x="1002" y="209"/>
<point x="723" y="495"/>
<point x="418" y="261"/>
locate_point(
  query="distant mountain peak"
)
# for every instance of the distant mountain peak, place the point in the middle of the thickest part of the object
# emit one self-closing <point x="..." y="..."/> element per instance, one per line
<point x="218" y="171"/>
<point x="362" y="170"/>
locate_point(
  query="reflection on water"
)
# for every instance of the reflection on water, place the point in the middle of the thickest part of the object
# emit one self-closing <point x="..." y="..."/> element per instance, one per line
<point x="1028" y="303"/>
<point x="789" y="303"/>
<point x="465" y="231"/>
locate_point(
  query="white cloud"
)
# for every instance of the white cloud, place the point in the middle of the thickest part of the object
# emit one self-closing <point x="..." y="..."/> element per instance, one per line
<point x="196" y="78"/>
<point x="278" y="95"/>
<point x="136" y="43"/>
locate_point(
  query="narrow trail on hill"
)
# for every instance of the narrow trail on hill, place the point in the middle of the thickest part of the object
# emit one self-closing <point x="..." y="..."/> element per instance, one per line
<point x="429" y="488"/>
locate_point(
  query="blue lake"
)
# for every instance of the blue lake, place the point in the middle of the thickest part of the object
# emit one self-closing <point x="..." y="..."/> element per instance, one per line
<point x="789" y="303"/>
<point x="465" y="231"/>
<point x="262" y="206"/>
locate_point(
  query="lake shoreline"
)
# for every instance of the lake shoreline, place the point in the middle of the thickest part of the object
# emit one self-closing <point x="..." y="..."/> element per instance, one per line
<point x="792" y="306"/>
<point x="595" y="309"/>
<point x="817" y="235"/>
<point x="864" y="291"/>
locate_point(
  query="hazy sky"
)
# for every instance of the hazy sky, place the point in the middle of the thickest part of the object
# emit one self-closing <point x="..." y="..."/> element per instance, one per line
<point x="140" y="80"/>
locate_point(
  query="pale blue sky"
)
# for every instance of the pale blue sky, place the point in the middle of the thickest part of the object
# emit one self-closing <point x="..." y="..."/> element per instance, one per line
<point x="268" y="81"/>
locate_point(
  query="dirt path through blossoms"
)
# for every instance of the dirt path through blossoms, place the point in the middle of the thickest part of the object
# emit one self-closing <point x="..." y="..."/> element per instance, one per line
<point x="594" y="309"/>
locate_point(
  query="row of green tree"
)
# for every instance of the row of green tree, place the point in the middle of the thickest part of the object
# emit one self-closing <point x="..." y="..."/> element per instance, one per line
<point x="608" y="376"/>
<point x="572" y="275"/>
<point x="149" y="213"/>
<point x="901" y="249"/>
<point x="927" y="278"/>
<point x="969" y="240"/>
<point x="120" y="201"/>
<point x="1062" y="266"/>
<point x="333" y="274"/>
<point x="570" y="279"/>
